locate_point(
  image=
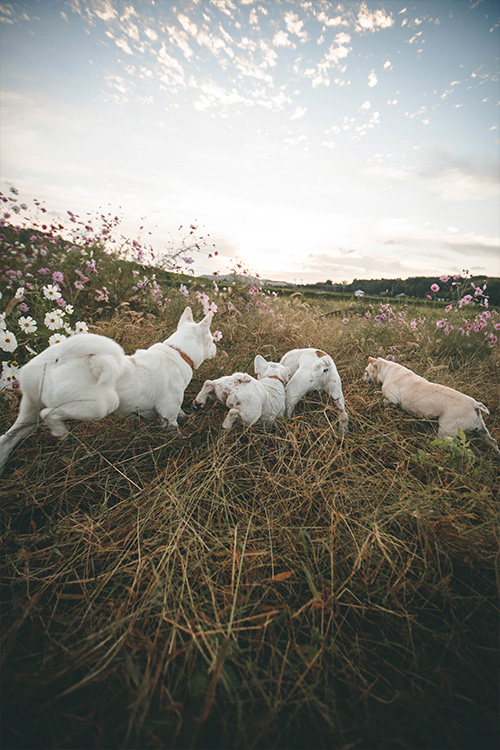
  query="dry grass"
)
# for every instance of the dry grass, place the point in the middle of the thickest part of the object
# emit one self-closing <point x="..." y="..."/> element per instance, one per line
<point x="279" y="589"/>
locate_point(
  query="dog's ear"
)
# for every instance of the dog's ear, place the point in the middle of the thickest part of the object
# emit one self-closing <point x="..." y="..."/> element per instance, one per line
<point x="186" y="317"/>
<point x="286" y="374"/>
<point x="207" y="320"/>
<point x="372" y="360"/>
<point x="258" y="363"/>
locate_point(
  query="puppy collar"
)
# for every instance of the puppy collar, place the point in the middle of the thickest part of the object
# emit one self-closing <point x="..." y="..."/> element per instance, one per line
<point x="185" y="357"/>
<point x="276" y="377"/>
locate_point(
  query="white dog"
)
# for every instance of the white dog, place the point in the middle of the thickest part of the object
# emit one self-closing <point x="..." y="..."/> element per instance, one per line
<point x="417" y="395"/>
<point x="313" y="370"/>
<point x="257" y="401"/>
<point x="87" y="377"/>
<point x="217" y="390"/>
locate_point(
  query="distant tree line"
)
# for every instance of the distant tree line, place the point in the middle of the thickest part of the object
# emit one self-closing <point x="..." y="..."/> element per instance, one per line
<point x="415" y="286"/>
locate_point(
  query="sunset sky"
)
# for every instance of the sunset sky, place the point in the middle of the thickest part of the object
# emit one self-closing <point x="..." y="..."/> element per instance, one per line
<point x="313" y="140"/>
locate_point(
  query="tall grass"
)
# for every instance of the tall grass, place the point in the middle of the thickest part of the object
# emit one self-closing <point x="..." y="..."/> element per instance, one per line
<point x="286" y="588"/>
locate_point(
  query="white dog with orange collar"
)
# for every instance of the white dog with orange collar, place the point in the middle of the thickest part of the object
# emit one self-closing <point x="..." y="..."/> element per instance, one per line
<point x="87" y="377"/>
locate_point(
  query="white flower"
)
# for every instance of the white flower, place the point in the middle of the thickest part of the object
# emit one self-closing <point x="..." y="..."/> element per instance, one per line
<point x="53" y="320"/>
<point x="28" y="324"/>
<point x="51" y="291"/>
<point x="81" y="327"/>
<point x="2" y="322"/>
<point x="9" y="376"/>
<point x="19" y="293"/>
<point x="56" y="338"/>
<point x="69" y="309"/>
<point x="8" y="341"/>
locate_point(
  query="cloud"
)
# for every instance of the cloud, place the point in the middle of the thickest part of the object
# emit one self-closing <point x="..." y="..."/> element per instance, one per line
<point x="299" y="112"/>
<point x="371" y="21"/>
<point x="372" y="79"/>
<point x="294" y="25"/>
<point x="281" y="40"/>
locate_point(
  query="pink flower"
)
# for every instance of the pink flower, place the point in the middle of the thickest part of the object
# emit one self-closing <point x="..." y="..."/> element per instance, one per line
<point x="183" y="290"/>
<point x="217" y="335"/>
<point x="58" y="276"/>
<point x="434" y="287"/>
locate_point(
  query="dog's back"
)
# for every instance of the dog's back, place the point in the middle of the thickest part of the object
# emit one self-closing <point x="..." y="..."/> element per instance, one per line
<point x="86" y="357"/>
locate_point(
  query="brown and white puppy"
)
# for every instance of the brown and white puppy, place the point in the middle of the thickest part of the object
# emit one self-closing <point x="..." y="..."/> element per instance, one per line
<point x="415" y="394"/>
<point x="257" y="400"/>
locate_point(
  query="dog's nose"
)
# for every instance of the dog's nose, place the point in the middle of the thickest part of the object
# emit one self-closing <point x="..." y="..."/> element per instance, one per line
<point x="196" y="404"/>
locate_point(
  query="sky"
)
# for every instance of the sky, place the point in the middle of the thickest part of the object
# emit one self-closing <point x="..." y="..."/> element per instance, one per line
<point x="310" y="139"/>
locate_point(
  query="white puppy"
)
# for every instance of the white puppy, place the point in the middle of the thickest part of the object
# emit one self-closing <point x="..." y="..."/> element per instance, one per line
<point x="257" y="401"/>
<point x="417" y="395"/>
<point x="217" y="390"/>
<point x="313" y="370"/>
<point x="87" y="377"/>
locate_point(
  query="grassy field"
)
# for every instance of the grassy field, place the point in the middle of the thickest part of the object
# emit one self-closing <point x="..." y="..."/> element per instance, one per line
<point x="253" y="589"/>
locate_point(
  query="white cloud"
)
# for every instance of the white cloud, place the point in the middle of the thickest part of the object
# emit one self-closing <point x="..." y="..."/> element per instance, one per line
<point x="281" y="40"/>
<point x="187" y="24"/>
<point x="299" y="112"/>
<point x="371" y="21"/>
<point x="123" y="45"/>
<point x="294" y="25"/>
<point x="372" y="79"/>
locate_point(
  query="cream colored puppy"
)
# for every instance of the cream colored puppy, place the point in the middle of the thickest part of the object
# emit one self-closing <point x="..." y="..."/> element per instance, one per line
<point x="415" y="394"/>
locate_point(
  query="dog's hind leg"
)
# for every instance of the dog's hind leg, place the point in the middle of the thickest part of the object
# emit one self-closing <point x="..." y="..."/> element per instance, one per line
<point x="294" y="390"/>
<point x="81" y="410"/>
<point x="26" y="422"/>
<point x="484" y="433"/>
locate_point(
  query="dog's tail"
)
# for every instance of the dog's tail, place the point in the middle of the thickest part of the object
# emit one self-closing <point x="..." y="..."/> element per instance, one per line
<point x="105" y="358"/>
<point x="482" y="407"/>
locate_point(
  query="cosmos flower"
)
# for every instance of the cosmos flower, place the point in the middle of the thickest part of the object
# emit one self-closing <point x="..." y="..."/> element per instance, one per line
<point x="56" y="338"/>
<point x="28" y="325"/>
<point x="81" y="327"/>
<point x="51" y="291"/>
<point x="53" y="320"/>
<point x="9" y="376"/>
<point x="8" y="341"/>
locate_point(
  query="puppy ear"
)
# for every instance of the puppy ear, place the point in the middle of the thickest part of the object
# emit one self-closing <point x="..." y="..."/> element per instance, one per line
<point x="186" y="317"/>
<point x="372" y="360"/>
<point x="207" y="320"/>
<point x="286" y="374"/>
<point x="258" y="363"/>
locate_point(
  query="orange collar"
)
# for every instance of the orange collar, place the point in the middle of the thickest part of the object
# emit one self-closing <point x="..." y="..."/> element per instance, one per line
<point x="185" y="357"/>
<point x="276" y="377"/>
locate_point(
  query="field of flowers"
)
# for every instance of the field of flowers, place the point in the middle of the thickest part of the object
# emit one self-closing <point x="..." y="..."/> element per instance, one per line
<point x="288" y="588"/>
